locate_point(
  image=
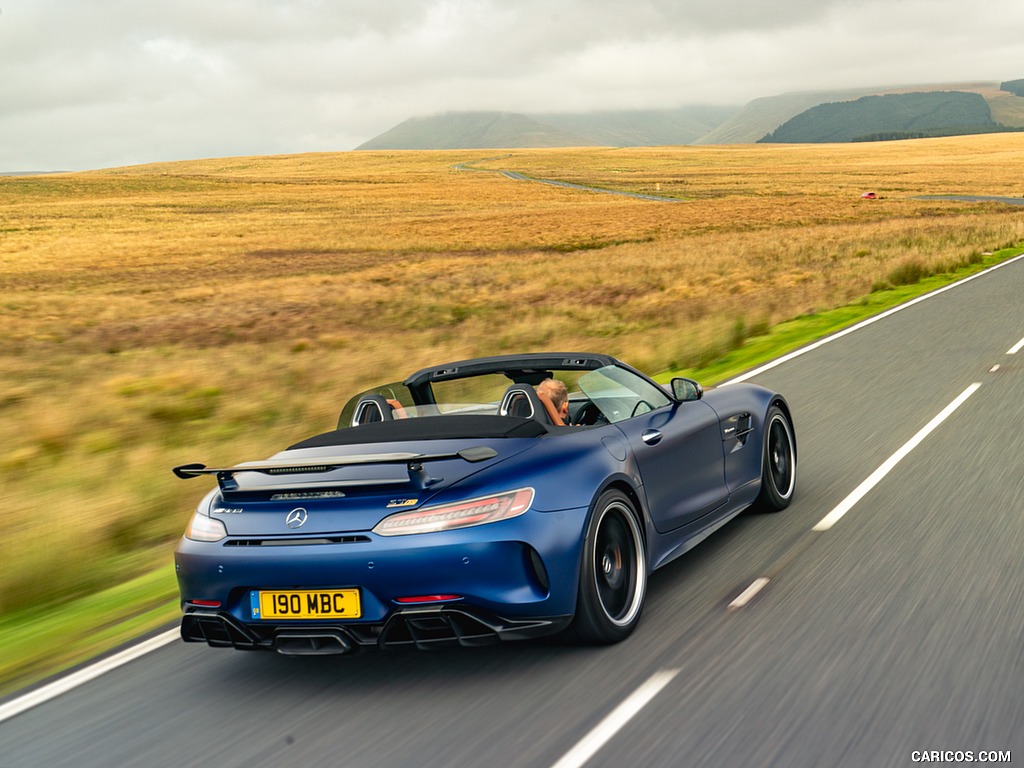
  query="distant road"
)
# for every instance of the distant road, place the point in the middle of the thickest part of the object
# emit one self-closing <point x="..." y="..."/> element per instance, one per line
<point x="521" y="177"/>
<point x="975" y="199"/>
<point x="552" y="182"/>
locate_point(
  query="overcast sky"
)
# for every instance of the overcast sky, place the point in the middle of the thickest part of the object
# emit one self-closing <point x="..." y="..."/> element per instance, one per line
<point x="100" y="83"/>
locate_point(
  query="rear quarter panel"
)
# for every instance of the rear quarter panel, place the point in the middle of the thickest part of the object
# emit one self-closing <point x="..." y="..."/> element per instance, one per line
<point x="743" y="456"/>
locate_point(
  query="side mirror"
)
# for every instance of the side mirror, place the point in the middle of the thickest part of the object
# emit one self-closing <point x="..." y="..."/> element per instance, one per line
<point x="685" y="390"/>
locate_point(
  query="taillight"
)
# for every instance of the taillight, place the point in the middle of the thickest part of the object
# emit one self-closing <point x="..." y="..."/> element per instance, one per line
<point x="463" y="514"/>
<point x="204" y="528"/>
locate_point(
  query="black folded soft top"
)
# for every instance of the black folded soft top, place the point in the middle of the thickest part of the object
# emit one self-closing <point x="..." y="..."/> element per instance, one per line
<point x="450" y="427"/>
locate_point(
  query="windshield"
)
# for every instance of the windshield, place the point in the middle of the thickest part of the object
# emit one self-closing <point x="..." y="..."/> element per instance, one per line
<point x="620" y="394"/>
<point x="608" y="394"/>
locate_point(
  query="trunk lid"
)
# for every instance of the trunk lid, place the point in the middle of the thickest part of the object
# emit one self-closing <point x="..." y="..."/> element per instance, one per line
<point x="305" y="492"/>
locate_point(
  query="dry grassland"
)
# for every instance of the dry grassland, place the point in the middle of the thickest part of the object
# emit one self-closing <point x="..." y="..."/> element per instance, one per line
<point x="216" y="310"/>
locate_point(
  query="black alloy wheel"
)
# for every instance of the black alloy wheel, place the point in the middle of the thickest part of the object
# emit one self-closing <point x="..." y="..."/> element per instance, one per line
<point x="778" y="474"/>
<point x="613" y="573"/>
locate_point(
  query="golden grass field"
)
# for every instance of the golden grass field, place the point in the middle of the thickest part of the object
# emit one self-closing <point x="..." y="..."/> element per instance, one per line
<point x="218" y="310"/>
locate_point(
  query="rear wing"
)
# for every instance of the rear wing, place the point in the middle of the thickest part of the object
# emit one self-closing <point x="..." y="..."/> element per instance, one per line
<point x="414" y="463"/>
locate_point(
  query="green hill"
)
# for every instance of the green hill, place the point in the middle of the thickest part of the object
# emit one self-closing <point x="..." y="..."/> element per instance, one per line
<point x="612" y="128"/>
<point x="763" y="115"/>
<point x="892" y="116"/>
<point x="1016" y="87"/>
<point x="474" y="130"/>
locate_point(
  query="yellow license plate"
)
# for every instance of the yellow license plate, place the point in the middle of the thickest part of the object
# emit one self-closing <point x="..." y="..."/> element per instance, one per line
<point x="306" y="604"/>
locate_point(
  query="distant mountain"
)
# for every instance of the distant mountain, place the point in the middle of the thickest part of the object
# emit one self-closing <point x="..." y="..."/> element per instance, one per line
<point x="1016" y="87"/>
<point x="622" y="128"/>
<point x="728" y="125"/>
<point x="892" y="116"/>
<point x="642" y="127"/>
<point x="763" y="116"/>
<point x="475" y="130"/>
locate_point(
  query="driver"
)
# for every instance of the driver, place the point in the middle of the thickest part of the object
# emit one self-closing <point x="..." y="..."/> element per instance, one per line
<point x="554" y="392"/>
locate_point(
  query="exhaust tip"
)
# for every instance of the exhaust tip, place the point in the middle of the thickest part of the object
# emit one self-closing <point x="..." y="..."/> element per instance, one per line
<point x="321" y="643"/>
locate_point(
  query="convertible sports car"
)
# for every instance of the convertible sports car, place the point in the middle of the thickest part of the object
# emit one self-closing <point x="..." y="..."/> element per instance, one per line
<point x="467" y="505"/>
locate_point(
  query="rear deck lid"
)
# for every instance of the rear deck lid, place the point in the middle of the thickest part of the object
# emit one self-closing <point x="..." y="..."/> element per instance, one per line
<point x="337" y="489"/>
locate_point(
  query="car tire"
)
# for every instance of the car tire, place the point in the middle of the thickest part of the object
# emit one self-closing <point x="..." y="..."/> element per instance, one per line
<point x="778" y="463"/>
<point x="613" y="573"/>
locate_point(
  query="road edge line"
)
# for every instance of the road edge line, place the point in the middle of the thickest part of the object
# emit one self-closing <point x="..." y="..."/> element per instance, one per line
<point x="69" y="682"/>
<point x="864" y="323"/>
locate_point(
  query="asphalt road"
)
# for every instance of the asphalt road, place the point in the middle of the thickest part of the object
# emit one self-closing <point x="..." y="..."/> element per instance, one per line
<point x="977" y="199"/>
<point x="515" y="176"/>
<point x="897" y="630"/>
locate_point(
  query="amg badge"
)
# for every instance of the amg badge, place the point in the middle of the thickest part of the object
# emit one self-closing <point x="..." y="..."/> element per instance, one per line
<point x="402" y="503"/>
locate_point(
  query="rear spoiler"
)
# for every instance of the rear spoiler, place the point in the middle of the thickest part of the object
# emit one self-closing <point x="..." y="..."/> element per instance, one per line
<point x="414" y="463"/>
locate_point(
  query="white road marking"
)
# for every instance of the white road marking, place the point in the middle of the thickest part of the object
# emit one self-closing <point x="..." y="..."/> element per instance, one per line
<point x="861" y="490"/>
<point x="838" y="335"/>
<point x="613" y="723"/>
<point x="1016" y="348"/>
<point x="993" y="369"/>
<point x="748" y="594"/>
<point x="84" y="675"/>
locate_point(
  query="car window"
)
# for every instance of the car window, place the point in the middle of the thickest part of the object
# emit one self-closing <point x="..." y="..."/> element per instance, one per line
<point x="487" y="388"/>
<point x="620" y="394"/>
<point x="623" y="391"/>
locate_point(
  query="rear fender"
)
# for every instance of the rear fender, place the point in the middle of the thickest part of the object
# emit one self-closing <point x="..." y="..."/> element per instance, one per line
<point x="742" y="410"/>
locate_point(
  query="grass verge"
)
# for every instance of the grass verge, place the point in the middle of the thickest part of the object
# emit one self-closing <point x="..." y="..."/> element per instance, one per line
<point x="45" y="641"/>
<point x="39" y="643"/>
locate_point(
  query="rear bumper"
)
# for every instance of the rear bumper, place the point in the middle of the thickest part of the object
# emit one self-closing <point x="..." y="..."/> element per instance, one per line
<point x="421" y="628"/>
<point x="516" y="569"/>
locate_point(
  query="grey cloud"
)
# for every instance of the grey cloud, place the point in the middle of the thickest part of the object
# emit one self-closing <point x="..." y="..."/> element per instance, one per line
<point x="108" y="82"/>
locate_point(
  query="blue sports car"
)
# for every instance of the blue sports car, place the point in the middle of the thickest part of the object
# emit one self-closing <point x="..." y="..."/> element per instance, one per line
<point x="482" y="500"/>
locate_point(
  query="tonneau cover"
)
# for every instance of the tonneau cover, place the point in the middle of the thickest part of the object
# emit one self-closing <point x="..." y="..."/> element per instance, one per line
<point x="449" y="427"/>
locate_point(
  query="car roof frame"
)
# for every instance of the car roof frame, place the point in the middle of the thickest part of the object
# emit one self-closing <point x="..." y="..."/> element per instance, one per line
<point x="511" y="364"/>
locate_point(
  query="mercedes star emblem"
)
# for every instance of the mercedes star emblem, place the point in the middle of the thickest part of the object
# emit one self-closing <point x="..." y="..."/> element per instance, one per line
<point x="296" y="518"/>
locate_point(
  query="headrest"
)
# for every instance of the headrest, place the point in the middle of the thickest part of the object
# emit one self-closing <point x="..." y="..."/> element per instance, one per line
<point x="522" y="401"/>
<point x="371" y="409"/>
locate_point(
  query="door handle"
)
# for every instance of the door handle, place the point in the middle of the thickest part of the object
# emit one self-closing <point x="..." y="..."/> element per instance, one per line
<point x="651" y="436"/>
